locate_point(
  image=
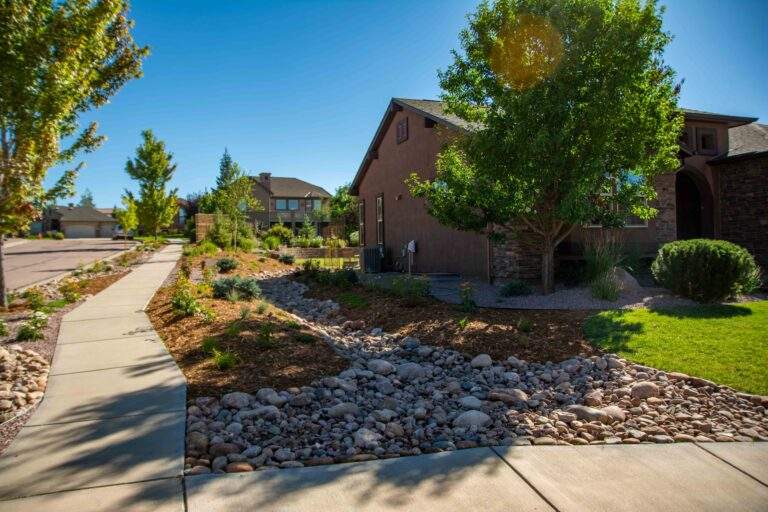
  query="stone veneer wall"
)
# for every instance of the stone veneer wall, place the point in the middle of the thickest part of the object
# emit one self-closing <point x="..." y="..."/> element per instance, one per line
<point x="516" y="256"/>
<point x="320" y="252"/>
<point x="664" y="225"/>
<point x="744" y="205"/>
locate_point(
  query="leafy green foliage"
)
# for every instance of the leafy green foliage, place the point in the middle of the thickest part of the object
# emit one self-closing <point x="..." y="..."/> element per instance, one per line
<point x="35" y="298"/>
<point x="245" y="287"/>
<point x="343" y="278"/>
<point x="601" y="256"/>
<point x="3" y="328"/>
<point x="706" y="270"/>
<point x="288" y="259"/>
<point x="572" y="113"/>
<point x="209" y="345"/>
<point x="271" y="243"/>
<point x="525" y="325"/>
<point x="413" y="290"/>
<point x="153" y="169"/>
<point x="515" y="288"/>
<point x="183" y="300"/>
<point x="226" y="264"/>
<point x="266" y="336"/>
<point x="305" y="338"/>
<point x="86" y="199"/>
<point x="32" y="329"/>
<point x="128" y="216"/>
<point x="283" y="233"/>
<point x="354" y="238"/>
<point x="204" y="248"/>
<point x="343" y="209"/>
<point x="262" y="308"/>
<point x="463" y="323"/>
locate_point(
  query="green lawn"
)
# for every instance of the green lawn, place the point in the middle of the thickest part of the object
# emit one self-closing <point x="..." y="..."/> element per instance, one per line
<point x="727" y="344"/>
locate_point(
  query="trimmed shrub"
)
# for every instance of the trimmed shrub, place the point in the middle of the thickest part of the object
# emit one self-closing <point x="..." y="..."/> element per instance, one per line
<point x="226" y="264"/>
<point x="706" y="270"/>
<point x="288" y="259"/>
<point x="246" y="244"/>
<point x="515" y="288"/>
<point x="244" y="287"/>
<point x="282" y="233"/>
<point x="183" y="300"/>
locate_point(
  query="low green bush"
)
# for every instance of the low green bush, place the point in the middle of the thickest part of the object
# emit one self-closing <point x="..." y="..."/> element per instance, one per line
<point x="224" y="360"/>
<point x="226" y="264"/>
<point x="288" y="259"/>
<point x="32" y="329"/>
<point x="303" y="337"/>
<point x="467" y="296"/>
<point x="352" y="300"/>
<point x="706" y="270"/>
<point x="245" y="287"/>
<point x="183" y="300"/>
<point x="271" y="243"/>
<point x="281" y="232"/>
<point x="354" y="238"/>
<point x="3" y="328"/>
<point x="35" y="298"/>
<point x="515" y="288"/>
<point x="204" y="248"/>
<point x="413" y="290"/>
<point x="524" y="325"/>
<point x="210" y="345"/>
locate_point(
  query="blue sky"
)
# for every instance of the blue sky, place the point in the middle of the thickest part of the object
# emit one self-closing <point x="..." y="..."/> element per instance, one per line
<point x="297" y="88"/>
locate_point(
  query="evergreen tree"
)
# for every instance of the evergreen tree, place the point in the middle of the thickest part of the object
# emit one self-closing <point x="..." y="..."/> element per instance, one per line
<point x="86" y="199"/>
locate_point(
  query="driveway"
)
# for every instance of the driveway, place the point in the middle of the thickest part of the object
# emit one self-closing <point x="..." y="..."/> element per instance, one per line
<point x="37" y="260"/>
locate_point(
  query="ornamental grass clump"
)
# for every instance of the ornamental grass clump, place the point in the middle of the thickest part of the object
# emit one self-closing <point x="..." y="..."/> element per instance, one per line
<point x="413" y="290"/>
<point x="706" y="270"/>
<point x="244" y="287"/>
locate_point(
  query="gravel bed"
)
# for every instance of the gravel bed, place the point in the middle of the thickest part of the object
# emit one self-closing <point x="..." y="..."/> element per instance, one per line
<point x="400" y="397"/>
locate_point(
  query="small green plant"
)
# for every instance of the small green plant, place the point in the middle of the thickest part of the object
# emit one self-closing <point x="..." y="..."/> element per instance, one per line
<point x="204" y="248"/>
<point x="208" y="275"/>
<point x="209" y="345"/>
<point x="53" y="305"/>
<point x="233" y="295"/>
<point x="271" y="243"/>
<point x="35" y="298"/>
<point x="467" y="296"/>
<point x="207" y="314"/>
<point x="288" y="259"/>
<point x="183" y="300"/>
<point x="245" y="313"/>
<point x="70" y="290"/>
<point x="3" y="328"/>
<point x="32" y="329"/>
<point x="224" y="360"/>
<point x="605" y="287"/>
<point x="413" y="290"/>
<point x="524" y="325"/>
<point x="515" y="288"/>
<point x="352" y="300"/>
<point x="266" y="338"/>
<point x="233" y="329"/>
<point x="226" y="264"/>
<point x="463" y="323"/>
<point x="246" y="287"/>
<point x="262" y="308"/>
<point x="303" y="337"/>
<point x="281" y="232"/>
<point x="293" y="324"/>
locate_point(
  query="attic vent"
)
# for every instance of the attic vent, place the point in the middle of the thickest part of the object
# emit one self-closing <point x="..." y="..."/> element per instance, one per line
<point x="402" y="130"/>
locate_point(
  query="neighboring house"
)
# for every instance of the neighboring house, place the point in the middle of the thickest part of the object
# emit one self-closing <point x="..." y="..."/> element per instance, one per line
<point x="179" y="222"/>
<point x="79" y="221"/>
<point x="720" y="191"/>
<point x="290" y="201"/>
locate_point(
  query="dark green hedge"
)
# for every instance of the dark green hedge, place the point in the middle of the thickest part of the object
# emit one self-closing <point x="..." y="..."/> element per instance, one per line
<point x="706" y="270"/>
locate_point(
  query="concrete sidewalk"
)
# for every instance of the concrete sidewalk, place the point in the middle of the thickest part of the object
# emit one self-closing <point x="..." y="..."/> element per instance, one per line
<point x="109" y="434"/>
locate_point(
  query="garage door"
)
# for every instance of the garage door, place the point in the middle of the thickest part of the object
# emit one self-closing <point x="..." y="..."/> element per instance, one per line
<point x="80" y="231"/>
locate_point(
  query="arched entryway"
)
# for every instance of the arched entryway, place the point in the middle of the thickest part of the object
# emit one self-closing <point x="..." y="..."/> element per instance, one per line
<point x="693" y="201"/>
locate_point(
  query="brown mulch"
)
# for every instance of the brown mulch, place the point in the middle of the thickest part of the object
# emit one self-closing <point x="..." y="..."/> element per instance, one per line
<point x="552" y="335"/>
<point x="291" y="359"/>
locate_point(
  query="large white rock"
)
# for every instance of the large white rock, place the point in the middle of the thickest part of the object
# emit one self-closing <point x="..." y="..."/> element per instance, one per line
<point x="481" y="361"/>
<point x="381" y="366"/>
<point x="471" y="418"/>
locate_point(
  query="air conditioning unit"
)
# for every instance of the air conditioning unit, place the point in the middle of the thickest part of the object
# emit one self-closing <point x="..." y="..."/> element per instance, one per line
<point x="372" y="259"/>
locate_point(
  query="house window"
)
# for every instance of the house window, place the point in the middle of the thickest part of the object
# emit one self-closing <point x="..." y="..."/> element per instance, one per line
<point x="293" y="204"/>
<point x="317" y="204"/>
<point x="402" y="130"/>
<point x="280" y="204"/>
<point x="380" y="220"/>
<point x="686" y="138"/>
<point x="361" y="222"/>
<point x="706" y="139"/>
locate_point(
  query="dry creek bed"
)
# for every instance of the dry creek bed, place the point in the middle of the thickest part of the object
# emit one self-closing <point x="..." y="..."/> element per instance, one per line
<point x="399" y="397"/>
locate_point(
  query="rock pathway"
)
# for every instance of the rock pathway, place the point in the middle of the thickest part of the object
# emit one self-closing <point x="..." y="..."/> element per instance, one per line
<point x="400" y="397"/>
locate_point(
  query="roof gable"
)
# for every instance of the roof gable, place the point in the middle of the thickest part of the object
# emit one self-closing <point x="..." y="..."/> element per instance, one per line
<point x="292" y="187"/>
<point x="82" y="214"/>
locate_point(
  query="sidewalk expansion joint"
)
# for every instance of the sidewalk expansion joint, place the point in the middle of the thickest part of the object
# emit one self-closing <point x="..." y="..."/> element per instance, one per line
<point x="169" y="360"/>
<point x="132" y="482"/>
<point x="732" y="465"/>
<point x="524" y="479"/>
<point x="104" y="418"/>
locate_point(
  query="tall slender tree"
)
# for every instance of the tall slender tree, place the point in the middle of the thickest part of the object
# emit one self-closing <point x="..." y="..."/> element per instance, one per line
<point x="127" y="217"/>
<point x="572" y="112"/>
<point x="229" y="171"/>
<point x="58" y="59"/>
<point x="153" y="169"/>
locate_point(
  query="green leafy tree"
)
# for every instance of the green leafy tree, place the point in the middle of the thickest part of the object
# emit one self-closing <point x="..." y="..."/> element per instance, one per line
<point x="153" y="169"/>
<point x="236" y="200"/>
<point x="571" y="113"/>
<point x="58" y="59"/>
<point x="343" y="210"/>
<point x="127" y="216"/>
<point x="229" y="171"/>
<point x="86" y="199"/>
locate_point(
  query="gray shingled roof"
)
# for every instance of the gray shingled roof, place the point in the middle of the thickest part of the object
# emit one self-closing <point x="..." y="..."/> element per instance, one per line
<point x="434" y="109"/>
<point x="294" y="187"/>
<point x="745" y="141"/>
<point x="82" y="214"/>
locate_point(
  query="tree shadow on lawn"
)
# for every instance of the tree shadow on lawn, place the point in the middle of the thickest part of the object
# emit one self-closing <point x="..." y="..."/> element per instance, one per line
<point x="611" y="331"/>
<point x="704" y="311"/>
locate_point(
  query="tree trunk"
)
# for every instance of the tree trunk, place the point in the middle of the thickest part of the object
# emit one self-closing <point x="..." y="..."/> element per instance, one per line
<point x="3" y="294"/>
<point x="548" y="267"/>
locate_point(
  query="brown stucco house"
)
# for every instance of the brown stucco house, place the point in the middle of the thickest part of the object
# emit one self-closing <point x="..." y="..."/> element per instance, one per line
<point x="290" y="201"/>
<point x="719" y="191"/>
